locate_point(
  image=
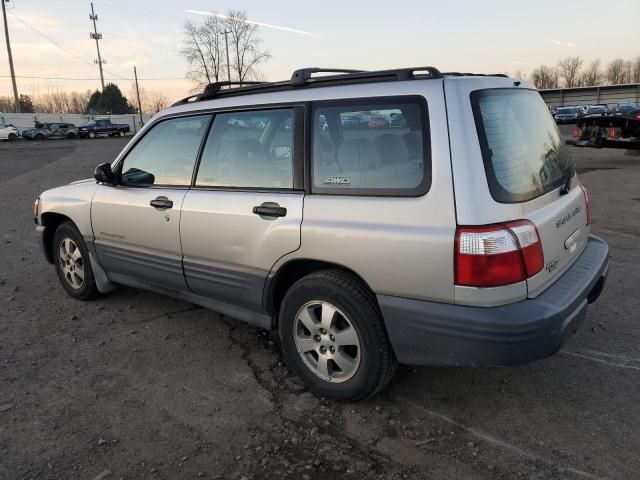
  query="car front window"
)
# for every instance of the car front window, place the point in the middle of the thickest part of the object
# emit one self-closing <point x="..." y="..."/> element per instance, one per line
<point x="166" y="154"/>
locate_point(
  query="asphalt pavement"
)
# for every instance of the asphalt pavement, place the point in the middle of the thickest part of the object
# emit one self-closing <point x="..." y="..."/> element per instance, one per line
<point x="135" y="385"/>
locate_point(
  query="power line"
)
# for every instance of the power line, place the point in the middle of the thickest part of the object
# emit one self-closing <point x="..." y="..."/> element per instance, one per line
<point x="35" y="30"/>
<point x="91" y="79"/>
<point x="97" y="37"/>
<point x="13" y="73"/>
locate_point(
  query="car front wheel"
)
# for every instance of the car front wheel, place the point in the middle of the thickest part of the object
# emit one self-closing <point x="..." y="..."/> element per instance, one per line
<point x="92" y="134"/>
<point x="72" y="263"/>
<point x="121" y="133"/>
<point x="12" y="137"/>
<point x="334" y="338"/>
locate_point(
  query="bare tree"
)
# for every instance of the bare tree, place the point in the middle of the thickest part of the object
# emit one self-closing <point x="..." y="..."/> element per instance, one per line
<point x="6" y="104"/>
<point x="193" y="51"/>
<point x="245" y="45"/>
<point x="592" y="75"/>
<point x="569" y="71"/>
<point x="520" y="75"/>
<point x="635" y="70"/>
<point x="616" y="72"/>
<point x="155" y="101"/>
<point x="544" y="77"/>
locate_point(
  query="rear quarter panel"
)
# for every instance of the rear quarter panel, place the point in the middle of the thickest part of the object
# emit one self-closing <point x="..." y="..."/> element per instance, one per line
<point x="401" y="246"/>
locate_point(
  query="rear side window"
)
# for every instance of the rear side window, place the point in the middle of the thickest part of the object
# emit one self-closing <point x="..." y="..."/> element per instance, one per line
<point x="371" y="147"/>
<point x="524" y="155"/>
<point x="249" y="150"/>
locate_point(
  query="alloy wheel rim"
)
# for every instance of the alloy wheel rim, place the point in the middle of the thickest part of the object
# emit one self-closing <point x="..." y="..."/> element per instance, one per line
<point x="327" y="341"/>
<point x="71" y="263"/>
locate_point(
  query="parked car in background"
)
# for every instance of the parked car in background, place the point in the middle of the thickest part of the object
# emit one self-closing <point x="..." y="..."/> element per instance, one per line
<point x="567" y="114"/>
<point x="624" y="108"/>
<point x="43" y="131"/>
<point x="103" y="126"/>
<point x="429" y="244"/>
<point x="8" y="132"/>
<point x="594" y="111"/>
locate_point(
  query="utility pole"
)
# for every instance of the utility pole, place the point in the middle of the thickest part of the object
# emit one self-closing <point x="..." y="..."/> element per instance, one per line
<point x="135" y="74"/>
<point x="13" y="73"/>
<point x="226" y="42"/>
<point x="97" y="36"/>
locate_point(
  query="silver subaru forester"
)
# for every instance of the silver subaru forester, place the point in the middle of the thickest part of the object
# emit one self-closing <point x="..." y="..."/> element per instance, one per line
<point x="373" y="217"/>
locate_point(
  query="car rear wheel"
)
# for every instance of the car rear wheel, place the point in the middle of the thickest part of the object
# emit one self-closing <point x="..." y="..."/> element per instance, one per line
<point x="12" y="137"/>
<point x="72" y="263"/>
<point x="71" y="135"/>
<point x="333" y="336"/>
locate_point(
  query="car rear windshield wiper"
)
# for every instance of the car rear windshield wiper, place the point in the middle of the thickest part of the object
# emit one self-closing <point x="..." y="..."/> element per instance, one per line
<point x="567" y="177"/>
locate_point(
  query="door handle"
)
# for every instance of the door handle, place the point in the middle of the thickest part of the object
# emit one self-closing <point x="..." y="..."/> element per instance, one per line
<point x="162" y="203"/>
<point x="270" y="209"/>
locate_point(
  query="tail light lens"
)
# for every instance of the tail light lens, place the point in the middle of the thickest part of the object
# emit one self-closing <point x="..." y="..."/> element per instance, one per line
<point x="496" y="255"/>
<point x="586" y="203"/>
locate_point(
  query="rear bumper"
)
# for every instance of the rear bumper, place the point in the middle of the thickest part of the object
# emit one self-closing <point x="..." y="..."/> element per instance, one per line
<point x="431" y="333"/>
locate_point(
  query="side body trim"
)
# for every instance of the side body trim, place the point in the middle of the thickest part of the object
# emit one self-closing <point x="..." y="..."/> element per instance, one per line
<point x="167" y="269"/>
<point x="234" y="284"/>
<point x="251" y="317"/>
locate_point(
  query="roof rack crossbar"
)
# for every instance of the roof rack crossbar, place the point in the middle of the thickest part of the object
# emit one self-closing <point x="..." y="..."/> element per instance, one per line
<point x="304" y="76"/>
<point x="211" y="90"/>
<point x="190" y="98"/>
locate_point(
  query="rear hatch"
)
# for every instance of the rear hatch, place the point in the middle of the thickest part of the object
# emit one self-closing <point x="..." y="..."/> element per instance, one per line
<point x="510" y="163"/>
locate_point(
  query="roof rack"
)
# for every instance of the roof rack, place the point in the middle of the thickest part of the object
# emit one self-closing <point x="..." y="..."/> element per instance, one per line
<point x="304" y="77"/>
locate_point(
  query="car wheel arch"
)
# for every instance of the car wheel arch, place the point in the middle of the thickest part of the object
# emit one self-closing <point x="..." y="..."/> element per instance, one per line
<point x="51" y="221"/>
<point x="279" y="281"/>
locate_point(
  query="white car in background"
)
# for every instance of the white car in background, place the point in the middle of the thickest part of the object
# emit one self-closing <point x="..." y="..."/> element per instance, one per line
<point x="8" y="132"/>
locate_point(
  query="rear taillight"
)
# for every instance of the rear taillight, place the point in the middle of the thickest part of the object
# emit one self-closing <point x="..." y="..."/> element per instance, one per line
<point x="495" y="255"/>
<point x="586" y="203"/>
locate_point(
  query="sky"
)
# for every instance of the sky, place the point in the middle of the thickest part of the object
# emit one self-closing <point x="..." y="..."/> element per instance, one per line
<point x="484" y="36"/>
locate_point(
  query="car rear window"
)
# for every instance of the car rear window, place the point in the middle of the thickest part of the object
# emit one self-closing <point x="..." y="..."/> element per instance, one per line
<point x="524" y="155"/>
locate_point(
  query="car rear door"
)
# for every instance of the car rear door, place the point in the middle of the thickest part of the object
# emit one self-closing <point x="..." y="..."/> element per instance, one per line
<point x="136" y="223"/>
<point x="244" y="210"/>
<point x="510" y="163"/>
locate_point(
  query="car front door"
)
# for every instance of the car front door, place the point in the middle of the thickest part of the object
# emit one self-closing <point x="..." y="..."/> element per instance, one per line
<point x="244" y="210"/>
<point x="136" y="223"/>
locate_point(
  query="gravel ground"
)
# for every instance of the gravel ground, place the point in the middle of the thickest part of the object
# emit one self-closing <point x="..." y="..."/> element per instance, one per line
<point x="136" y="385"/>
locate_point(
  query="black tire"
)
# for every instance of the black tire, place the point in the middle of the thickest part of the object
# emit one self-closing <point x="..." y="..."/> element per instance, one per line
<point x="87" y="290"/>
<point x="39" y="137"/>
<point x="346" y="292"/>
<point x="71" y="135"/>
<point x="92" y="134"/>
<point x="12" y="137"/>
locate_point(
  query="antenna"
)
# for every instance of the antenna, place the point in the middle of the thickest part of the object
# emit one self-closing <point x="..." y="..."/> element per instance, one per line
<point x="97" y="36"/>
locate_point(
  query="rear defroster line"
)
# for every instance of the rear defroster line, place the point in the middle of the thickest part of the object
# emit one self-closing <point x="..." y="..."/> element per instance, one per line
<point x="493" y="440"/>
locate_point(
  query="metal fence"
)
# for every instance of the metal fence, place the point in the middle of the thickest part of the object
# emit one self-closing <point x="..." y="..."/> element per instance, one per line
<point x="606" y="94"/>
<point x="26" y="120"/>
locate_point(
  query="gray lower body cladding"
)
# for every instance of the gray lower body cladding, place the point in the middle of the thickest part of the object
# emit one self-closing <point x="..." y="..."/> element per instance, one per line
<point x="431" y="333"/>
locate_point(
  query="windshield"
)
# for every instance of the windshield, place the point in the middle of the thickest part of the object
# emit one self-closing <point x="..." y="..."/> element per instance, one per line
<point x="524" y="155"/>
<point x="567" y="110"/>
<point x="91" y="123"/>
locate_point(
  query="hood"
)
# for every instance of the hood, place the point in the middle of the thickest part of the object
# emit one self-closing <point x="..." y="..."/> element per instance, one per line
<point x="85" y="180"/>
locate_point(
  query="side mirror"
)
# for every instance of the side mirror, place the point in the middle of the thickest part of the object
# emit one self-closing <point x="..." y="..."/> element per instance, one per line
<point x="104" y="174"/>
